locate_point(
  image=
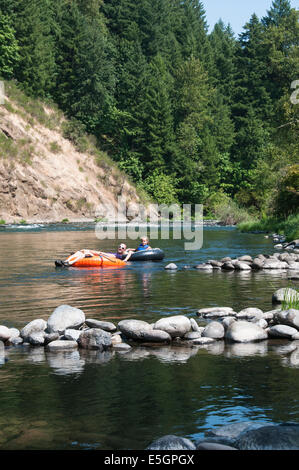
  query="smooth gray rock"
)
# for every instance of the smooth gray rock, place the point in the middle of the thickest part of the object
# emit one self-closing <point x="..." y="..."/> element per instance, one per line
<point x="71" y="334"/>
<point x="49" y="337"/>
<point x="65" y="317"/>
<point x="257" y="263"/>
<point x="241" y="266"/>
<point x="243" y="332"/>
<point x="245" y="258"/>
<point x="194" y="325"/>
<point x="214" y="330"/>
<point x="232" y="431"/>
<point x="192" y="335"/>
<point x="226" y="259"/>
<point x="122" y="347"/>
<point x="95" y="339"/>
<point x="14" y="333"/>
<point x="203" y="341"/>
<point x="293" y="318"/>
<point x="103" y="325"/>
<point x="228" y="266"/>
<point x="37" y="338"/>
<point x="226" y="321"/>
<point x="205" y="445"/>
<point x="116" y="339"/>
<point x="285" y="294"/>
<point x="215" y="263"/>
<point x="204" y="267"/>
<point x="175" y="326"/>
<point x="156" y="336"/>
<point x="261" y="322"/>
<point x="33" y="327"/>
<point x="280" y="437"/>
<point x="215" y="312"/>
<point x="4" y="333"/>
<point x="60" y="345"/>
<point x="287" y="317"/>
<point x="250" y="312"/>
<point x="275" y="264"/>
<point x="171" y="442"/>
<point x="171" y="266"/>
<point x="15" y="341"/>
<point x="282" y="331"/>
<point x="134" y="329"/>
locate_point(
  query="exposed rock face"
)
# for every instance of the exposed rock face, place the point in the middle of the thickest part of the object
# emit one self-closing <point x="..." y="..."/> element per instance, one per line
<point x="43" y="190"/>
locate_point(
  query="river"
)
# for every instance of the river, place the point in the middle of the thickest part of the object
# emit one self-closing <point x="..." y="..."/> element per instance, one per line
<point x="88" y="400"/>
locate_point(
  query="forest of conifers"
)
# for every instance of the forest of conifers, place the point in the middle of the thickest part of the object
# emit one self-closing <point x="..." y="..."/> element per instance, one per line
<point x="192" y="116"/>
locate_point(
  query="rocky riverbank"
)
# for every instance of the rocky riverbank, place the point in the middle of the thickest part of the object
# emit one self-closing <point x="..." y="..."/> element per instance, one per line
<point x="68" y="328"/>
<point x="285" y="262"/>
<point x="68" y="340"/>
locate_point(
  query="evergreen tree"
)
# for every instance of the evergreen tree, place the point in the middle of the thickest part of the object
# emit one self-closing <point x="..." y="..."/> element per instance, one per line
<point x="36" y="69"/>
<point x="223" y="46"/>
<point x="155" y="115"/>
<point x="9" y="49"/>
<point x="86" y="73"/>
<point x="280" y="9"/>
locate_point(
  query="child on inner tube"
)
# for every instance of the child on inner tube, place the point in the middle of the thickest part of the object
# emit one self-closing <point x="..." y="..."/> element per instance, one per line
<point x="142" y="247"/>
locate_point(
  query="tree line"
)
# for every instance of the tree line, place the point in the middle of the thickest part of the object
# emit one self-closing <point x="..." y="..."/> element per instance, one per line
<point x="191" y="116"/>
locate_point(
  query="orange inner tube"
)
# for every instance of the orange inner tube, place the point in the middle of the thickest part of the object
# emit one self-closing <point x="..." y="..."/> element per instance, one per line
<point x="99" y="261"/>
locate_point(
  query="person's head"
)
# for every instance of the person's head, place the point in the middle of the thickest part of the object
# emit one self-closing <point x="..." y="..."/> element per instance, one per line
<point x="121" y="248"/>
<point x="144" y="241"/>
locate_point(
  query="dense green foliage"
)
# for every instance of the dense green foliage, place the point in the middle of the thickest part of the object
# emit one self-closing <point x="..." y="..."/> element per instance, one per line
<point x="190" y="116"/>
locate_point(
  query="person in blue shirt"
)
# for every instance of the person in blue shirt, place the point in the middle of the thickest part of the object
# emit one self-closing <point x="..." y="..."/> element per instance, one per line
<point x="144" y="244"/>
<point x="142" y="247"/>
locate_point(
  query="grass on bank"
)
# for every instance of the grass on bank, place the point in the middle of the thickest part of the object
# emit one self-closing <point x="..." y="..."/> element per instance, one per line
<point x="290" y="299"/>
<point x="288" y="227"/>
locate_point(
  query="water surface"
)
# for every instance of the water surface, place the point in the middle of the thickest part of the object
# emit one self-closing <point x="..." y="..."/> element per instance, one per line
<point x="87" y="400"/>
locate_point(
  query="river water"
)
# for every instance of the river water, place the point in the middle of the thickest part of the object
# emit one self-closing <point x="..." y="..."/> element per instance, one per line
<point x="88" y="400"/>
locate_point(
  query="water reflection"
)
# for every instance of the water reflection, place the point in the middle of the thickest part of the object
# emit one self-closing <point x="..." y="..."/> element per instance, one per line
<point x="246" y="349"/>
<point x="66" y="362"/>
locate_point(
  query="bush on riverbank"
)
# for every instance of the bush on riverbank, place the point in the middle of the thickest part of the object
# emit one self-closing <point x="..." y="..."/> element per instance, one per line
<point x="288" y="227"/>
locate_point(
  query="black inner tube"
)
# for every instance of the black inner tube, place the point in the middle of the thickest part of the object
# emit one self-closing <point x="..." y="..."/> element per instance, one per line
<point x="146" y="255"/>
